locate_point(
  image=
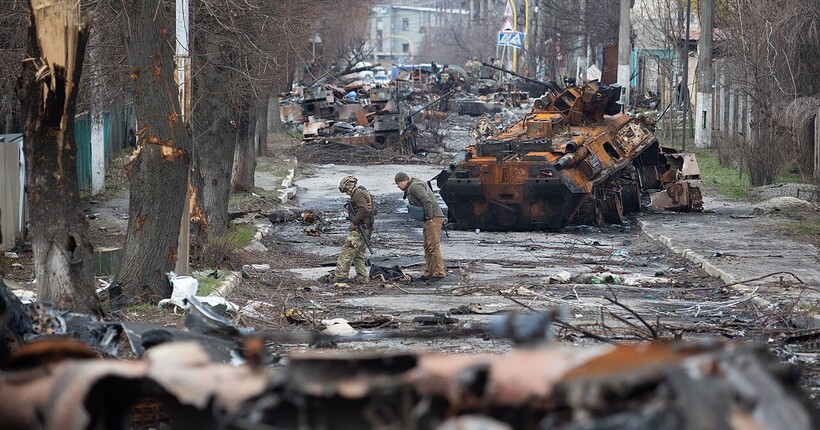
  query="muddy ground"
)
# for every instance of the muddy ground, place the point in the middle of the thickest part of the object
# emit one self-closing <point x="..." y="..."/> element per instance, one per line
<point x="611" y="284"/>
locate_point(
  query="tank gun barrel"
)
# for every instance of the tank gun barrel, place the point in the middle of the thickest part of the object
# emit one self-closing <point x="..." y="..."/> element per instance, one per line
<point x="550" y="85"/>
<point x="419" y="110"/>
<point x="572" y="158"/>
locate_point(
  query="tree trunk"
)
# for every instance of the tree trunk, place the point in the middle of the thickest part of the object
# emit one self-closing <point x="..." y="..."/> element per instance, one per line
<point x="260" y="135"/>
<point x="215" y="125"/>
<point x="245" y="157"/>
<point x="48" y="94"/>
<point x="274" y="117"/>
<point x="158" y="173"/>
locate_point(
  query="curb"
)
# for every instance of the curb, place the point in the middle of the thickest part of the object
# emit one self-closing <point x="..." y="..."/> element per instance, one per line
<point x="690" y="255"/>
<point x="227" y="285"/>
<point x="707" y="266"/>
<point x="288" y="190"/>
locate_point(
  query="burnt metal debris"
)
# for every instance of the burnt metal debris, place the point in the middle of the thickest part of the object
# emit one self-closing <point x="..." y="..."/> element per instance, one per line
<point x="59" y="382"/>
<point x="669" y="386"/>
<point x="343" y="110"/>
<point x="574" y="159"/>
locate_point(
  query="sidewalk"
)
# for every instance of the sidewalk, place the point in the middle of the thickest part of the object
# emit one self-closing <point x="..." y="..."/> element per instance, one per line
<point x="735" y="244"/>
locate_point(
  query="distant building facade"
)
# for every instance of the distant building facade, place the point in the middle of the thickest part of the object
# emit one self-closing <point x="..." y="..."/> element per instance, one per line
<point x="398" y="31"/>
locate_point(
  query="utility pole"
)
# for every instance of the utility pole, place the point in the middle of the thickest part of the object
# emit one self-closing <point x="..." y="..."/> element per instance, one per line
<point x="624" y="50"/>
<point x="96" y="120"/>
<point x="583" y="60"/>
<point x="685" y="86"/>
<point x="183" y="77"/>
<point x="703" y="120"/>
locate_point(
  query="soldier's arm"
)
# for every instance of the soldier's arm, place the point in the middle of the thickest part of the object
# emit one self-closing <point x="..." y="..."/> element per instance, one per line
<point x="360" y="207"/>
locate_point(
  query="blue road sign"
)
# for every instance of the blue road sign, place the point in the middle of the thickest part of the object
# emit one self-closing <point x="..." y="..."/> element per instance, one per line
<point x="514" y="39"/>
<point x="503" y="38"/>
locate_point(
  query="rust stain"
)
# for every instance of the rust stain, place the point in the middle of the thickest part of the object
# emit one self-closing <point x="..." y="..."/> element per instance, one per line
<point x="171" y="152"/>
<point x="173" y="118"/>
<point x="139" y="224"/>
<point x="632" y="359"/>
<point x="45" y="352"/>
<point x="197" y="214"/>
<point x="135" y="73"/>
<point x="141" y="132"/>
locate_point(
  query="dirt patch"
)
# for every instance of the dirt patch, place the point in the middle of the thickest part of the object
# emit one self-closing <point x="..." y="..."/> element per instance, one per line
<point x="19" y="269"/>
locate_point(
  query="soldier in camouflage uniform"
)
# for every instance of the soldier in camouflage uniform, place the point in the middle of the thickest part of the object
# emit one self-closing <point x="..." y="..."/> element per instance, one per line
<point x="473" y="68"/>
<point x="360" y="213"/>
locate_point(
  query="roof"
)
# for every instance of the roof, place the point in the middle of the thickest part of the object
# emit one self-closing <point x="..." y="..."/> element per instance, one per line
<point x="383" y="7"/>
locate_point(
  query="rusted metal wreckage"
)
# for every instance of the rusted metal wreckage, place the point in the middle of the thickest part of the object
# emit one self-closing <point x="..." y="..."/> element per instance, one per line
<point x="574" y="159"/>
<point x="358" y="113"/>
<point x="62" y="383"/>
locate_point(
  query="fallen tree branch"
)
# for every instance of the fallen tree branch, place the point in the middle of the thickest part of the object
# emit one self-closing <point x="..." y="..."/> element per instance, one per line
<point x="640" y="332"/>
<point x="631" y="311"/>
<point x="763" y="277"/>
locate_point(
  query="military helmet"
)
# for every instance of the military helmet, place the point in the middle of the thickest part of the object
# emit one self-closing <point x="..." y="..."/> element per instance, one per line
<point x="347" y="183"/>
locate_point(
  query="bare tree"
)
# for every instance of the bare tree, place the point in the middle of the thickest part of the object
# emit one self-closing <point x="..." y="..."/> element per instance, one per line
<point x="47" y="89"/>
<point x="557" y="33"/>
<point x="158" y="173"/>
<point x="241" y="52"/>
<point x="344" y="32"/>
<point x="565" y="29"/>
<point x="771" y="46"/>
<point x="660" y="27"/>
<point x="13" y="23"/>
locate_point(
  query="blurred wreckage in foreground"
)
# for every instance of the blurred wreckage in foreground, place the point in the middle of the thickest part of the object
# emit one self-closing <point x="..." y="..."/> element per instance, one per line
<point x="62" y="371"/>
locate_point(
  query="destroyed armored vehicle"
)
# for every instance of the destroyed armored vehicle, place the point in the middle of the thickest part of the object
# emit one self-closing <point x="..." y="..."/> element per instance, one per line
<point x="574" y="159"/>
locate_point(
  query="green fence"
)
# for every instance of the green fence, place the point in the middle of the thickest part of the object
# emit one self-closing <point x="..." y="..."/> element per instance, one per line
<point x="82" y="135"/>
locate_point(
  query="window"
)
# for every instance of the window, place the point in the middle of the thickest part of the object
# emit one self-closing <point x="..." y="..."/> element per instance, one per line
<point x="405" y="47"/>
<point x="379" y="35"/>
<point x="422" y="29"/>
<point x="379" y="23"/>
<point x="405" y="24"/>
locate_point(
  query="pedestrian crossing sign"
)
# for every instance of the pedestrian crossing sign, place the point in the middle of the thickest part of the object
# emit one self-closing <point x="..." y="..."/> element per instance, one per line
<point x="514" y="39"/>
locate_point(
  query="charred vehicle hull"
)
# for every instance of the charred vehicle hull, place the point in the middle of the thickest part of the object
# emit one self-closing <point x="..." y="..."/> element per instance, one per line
<point x="575" y="159"/>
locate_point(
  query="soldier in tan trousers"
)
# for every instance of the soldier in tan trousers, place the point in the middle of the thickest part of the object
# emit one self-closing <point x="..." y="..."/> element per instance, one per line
<point x="419" y="194"/>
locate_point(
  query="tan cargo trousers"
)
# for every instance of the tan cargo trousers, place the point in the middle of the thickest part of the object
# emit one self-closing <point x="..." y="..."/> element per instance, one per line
<point x="434" y="266"/>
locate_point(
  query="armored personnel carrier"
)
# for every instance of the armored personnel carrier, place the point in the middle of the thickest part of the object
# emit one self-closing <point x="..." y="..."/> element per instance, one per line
<point x="574" y="159"/>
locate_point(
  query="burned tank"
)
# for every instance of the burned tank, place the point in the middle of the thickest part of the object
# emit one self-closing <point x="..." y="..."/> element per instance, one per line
<point x="574" y="159"/>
